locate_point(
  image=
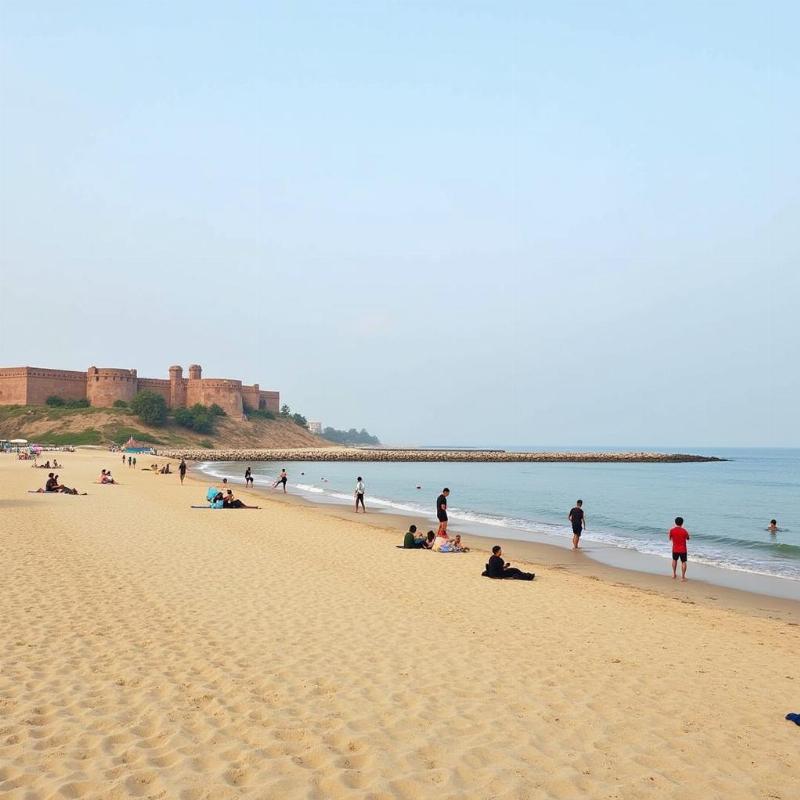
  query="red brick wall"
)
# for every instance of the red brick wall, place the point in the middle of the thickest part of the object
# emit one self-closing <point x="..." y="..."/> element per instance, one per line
<point x="271" y="401"/>
<point x="105" y="386"/>
<point x="13" y="386"/>
<point x="251" y="396"/>
<point x="227" y="394"/>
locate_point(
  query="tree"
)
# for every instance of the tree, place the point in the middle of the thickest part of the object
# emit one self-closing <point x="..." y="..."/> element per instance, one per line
<point x="151" y="408"/>
<point x="216" y="411"/>
<point x="300" y="420"/>
<point x="184" y="418"/>
<point x="286" y="411"/>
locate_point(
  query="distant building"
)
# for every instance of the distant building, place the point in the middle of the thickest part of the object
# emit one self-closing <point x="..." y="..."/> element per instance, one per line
<point x="315" y="427"/>
<point x="31" y="386"/>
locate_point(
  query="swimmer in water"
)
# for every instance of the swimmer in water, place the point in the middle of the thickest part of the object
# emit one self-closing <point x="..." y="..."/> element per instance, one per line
<point x="773" y="526"/>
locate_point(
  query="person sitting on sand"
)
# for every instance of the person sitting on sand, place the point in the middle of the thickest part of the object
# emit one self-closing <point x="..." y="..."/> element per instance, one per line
<point x="773" y="526"/>
<point x="429" y="540"/>
<point x="53" y="485"/>
<point x="497" y="568"/>
<point x="218" y="501"/>
<point x="56" y="465"/>
<point x="105" y="477"/>
<point x="457" y="546"/>
<point x="411" y="541"/>
<point x="229" y="501"/>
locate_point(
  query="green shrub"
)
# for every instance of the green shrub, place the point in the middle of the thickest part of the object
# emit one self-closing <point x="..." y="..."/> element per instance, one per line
<point x="197" y="418"/>
<point x="82" y="403"/>
<point x="55" y="401"/>
<point x="259" y="413"/>
<point x="300" y="420"/>
<point x="151" y="408"/>
<point x="184" y="418"/>
<point x="203" y="422"/>
<point x="216" y="411"/>
<point x="207" y="443"/>
<point x="120" y="404"/>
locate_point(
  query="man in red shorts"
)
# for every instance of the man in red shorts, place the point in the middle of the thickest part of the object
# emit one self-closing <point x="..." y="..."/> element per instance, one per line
<point x="679" y="536"/>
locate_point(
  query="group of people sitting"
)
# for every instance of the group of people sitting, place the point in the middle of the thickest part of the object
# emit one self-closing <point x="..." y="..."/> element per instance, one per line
<point x="218" y="499"/>
<point x="164" y="470"/>
<point x="441" y="542"/>
<point x="496" y="567"/>
<point x="52" y="485"/>
<point x="46" y="465"/>
<point x="105" y="477"/>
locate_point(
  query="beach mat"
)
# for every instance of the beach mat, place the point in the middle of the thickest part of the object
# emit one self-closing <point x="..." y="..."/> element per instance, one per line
<point x="249" y="508"/>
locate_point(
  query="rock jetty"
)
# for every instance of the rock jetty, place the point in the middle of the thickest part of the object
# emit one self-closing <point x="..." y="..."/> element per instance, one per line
<point x="379" y="454"/>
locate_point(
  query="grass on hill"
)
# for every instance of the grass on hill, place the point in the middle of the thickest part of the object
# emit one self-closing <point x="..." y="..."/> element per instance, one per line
<point x="59" y="426"/>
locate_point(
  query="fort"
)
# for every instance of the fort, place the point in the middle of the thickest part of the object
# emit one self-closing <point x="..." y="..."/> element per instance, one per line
<point x="103" y="386"/>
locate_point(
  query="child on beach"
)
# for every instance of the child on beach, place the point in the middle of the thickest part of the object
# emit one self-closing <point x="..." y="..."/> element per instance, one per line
<point x="679" y="536"/>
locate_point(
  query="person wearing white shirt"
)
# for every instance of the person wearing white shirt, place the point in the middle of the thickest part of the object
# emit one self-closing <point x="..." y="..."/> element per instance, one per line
<point x="359" y="493"/>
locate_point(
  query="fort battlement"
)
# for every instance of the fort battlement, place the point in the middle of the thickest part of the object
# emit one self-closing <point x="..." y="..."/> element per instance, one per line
<point x="103" y="386"/>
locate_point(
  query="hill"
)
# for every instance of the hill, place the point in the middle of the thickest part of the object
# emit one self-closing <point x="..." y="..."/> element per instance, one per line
<point x="102" y="426"/>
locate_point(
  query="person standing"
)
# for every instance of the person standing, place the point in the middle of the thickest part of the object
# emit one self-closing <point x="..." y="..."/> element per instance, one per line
<point x="578" y="520"/>
<point x="679" y="536"/>
<point x="123" y="459"/>
<point x="134" y="462"/>
<point x="441" y="511"/>
<point x="248" y="477"/>
<point x="359" y="493"/>
<point x="182" y="470"/>
<point x="282" y="478"/>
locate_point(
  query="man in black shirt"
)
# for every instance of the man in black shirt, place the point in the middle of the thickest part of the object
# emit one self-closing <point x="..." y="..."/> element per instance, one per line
<point x="52" y="483"/>
<point x="578" y="520"/>
<point x="497" y="568"/>
<point x="441" y="510"/>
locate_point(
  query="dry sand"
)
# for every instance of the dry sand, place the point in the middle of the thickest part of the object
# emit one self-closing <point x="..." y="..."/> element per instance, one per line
<point x="150" y="650"/>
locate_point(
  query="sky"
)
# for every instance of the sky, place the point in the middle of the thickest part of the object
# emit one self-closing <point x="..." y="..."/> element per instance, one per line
<point x="475" y="223"/>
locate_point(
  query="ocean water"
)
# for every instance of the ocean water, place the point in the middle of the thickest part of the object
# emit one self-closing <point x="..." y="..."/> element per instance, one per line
<point x="726" y="505"/>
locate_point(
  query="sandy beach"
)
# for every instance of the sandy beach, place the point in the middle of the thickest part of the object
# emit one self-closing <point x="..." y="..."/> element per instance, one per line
<point x="151" y="650"/>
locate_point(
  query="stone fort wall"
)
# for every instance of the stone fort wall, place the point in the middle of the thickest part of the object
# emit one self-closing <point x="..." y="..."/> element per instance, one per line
<point x="102" y="386"/>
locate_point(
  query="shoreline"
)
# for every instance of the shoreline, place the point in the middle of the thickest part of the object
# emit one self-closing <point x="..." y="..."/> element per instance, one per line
<point x="756" y="598"/>
<point x="335" y="453"/>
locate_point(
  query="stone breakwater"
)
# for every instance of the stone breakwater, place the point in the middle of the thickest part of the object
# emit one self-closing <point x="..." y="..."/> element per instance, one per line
<point x="352" y="454"/>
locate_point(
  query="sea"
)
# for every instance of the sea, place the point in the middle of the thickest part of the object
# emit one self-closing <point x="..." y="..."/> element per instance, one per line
<point x="726" y="505"/>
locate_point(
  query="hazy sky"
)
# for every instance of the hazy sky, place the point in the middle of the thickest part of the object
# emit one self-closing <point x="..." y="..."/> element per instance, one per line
<point x="449" y="222"/>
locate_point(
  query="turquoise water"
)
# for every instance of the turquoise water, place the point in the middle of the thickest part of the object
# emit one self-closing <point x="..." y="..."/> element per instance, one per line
<point x="727" y="505"/>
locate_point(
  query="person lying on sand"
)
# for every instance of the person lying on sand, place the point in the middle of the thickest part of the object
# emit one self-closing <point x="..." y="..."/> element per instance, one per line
<point x="498" y="568"/>
<point x="229" y="501"/>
